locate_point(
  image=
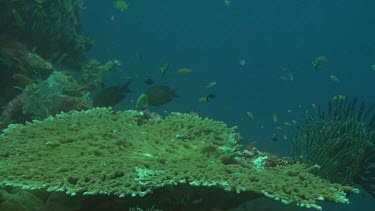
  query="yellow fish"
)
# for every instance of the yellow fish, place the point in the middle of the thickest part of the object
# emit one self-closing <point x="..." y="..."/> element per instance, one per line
<point x="335" y="78"/>
<point x="250" y="114"/>
<point x="184" y="70"/>
<point x="339" y="97"/>
<point x="319" y="61"/>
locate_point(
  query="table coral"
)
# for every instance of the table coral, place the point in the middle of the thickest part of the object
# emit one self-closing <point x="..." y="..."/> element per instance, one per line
<point x="128" y="154"/>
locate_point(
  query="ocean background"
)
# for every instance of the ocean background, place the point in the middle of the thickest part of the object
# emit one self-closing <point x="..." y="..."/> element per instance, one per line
<point x="272" y="36"/>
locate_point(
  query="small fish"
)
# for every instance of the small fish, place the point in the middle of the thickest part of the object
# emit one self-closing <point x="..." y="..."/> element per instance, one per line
<point x="148" y="81"/>
<point x="242" y="62"/>
<point x="142" y="101"/>
<point x="250" y="114"/>
<point x="184" y="70"/>
<point x="372" y="67"/>
<point x="207" y="98"/>
<point x="274" y="137"/>
<point x="120" y="5"/>
<point x="335" y="78"/>
<point x="285" y="137"/>
<point x="227" y="2"/>
<point x="288" y="124"/>
<point x="287" y="76"/>
<point x="211" y="84"/>
<point x="339" y="97"/>
<point x="274" y="118"/>
<point x="319" y="61"/>
<point x="164" y="69"/>
<point x="202" y="99"/>
<point x="290" y="110"/>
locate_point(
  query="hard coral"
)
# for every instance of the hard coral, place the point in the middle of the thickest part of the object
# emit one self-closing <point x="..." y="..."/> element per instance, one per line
<point x="184" y="154"/>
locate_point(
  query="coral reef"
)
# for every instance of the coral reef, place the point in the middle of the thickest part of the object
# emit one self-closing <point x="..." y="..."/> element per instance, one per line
<point x="35" y="38"/>
<point x="179" y="161"/>
<point x="19" y="68"/>
<point x="91" y="72"/>
<point x="48" y="97"/>
<point x="51" y="27"/>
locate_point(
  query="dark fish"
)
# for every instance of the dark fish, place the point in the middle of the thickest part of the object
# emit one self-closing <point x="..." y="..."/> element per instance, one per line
<point x="148" y="81"/>
<point x="207" y="98"/>
<point x="274" y="137"/>
<point x="210" y="97"/>
<point x="111" y="96"/>
<point x="160" y="95"/>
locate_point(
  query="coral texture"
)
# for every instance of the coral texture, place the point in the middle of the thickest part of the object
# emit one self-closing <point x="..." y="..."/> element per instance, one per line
<point x="100" y="152"/>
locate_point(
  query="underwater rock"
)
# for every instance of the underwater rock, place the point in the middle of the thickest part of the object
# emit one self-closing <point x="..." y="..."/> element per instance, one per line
<point x="20" y="200"/>
<point x="59" y="201"/>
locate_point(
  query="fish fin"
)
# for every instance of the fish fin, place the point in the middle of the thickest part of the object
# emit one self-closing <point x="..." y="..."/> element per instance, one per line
<point x="125" y="88"/>
<point x="173" y="93"/>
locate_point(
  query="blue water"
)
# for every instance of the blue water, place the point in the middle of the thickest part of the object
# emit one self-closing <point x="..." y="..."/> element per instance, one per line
<point x="271" y="36"/>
